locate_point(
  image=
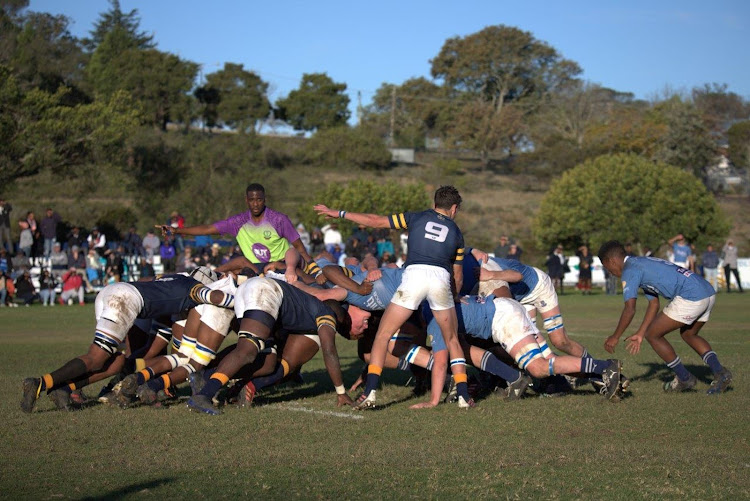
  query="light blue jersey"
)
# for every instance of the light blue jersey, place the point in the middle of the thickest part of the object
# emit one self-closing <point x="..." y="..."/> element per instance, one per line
<point x="658" y="277"/>
<point x="382" y="290"/>
<point x="521" y="289"/>
<point x="474" y="318"/>
<point x="681" y="253"/>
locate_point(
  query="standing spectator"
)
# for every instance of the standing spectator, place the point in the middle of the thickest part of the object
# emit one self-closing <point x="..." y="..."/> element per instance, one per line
<point x="5" y="210"/>
<point x="58" y="260"/>
<point x="710" y="263"/>
<point x="47" y="284"/>
<point x="20" y="263"/>
<point x="168" y="255"/>
<point x="48" y="227"/>
<point x="729" y="255"/>
<point x="132" y="243"/>
<point x="316" y="242"/>
<point x="72" y="286"/>
<point x="556" y="264"/>
<point x="503" y="247"/>
<point x="97" y="241"/>
<point x="151" y="244"/>
<point x="584" y="269"/>
<point x="332" y="236"/>
<point x="25" y="239"/>
<point x="681" y="251"/>
<point x="304" y="237"/>
<point x="25" y="289"/>
<point x="31" y="219"/>
<point x="215" y="258"/>
<point x="75" y="237"/>
<point x="515" y="252"/>
<point x="385" y="245"/>
<point x="361" y="233"/>
<point x="177" y="221"/>
<point x="370" y="245"/>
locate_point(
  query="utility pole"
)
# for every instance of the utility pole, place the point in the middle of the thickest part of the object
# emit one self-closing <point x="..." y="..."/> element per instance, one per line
<point x="359" y="107"/>
<point x="393" y="115"/>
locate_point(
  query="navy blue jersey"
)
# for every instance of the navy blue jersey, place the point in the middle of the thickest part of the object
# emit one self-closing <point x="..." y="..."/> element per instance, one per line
<point x="168" y="295"/>
<point x="434" y="239"/>
<point x="301" y="313"/>
<point x="383" y="290"/>
<point x="518" y="290"/>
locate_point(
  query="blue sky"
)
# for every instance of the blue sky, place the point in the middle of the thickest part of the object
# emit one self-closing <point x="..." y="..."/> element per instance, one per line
<point x="635" y="46"/>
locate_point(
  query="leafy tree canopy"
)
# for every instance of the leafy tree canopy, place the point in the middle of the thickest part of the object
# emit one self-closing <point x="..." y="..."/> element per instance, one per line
<point x="127" y="24"/>
<point x="628" y="198"/>
<point x="234" y="97"/>
<point x="318" y="103"/>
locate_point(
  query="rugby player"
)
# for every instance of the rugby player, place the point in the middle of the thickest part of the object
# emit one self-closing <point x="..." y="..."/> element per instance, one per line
<point x="116" y="308"/>
<point x="692" y="299"/>
<point x="262" y="303"/>
<point x="435" y="249"/>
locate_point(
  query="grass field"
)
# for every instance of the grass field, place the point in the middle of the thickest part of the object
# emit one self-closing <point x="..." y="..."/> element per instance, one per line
<point x="295" y="444"/>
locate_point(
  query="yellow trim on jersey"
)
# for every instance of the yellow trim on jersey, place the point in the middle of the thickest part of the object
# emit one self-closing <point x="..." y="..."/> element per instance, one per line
<point x="349" y="273"/>
<point x="326" y="320"/>
<point x="194" y="292"/>
<point x="460" y="254"/>
<point x="398" y="221"/>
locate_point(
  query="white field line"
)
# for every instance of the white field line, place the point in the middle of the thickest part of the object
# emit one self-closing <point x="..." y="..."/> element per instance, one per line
<point x="313" y="411"/>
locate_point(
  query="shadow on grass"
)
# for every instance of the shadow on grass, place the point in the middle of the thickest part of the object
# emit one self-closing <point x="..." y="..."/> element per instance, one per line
<point x="142" y="487"/>
<point x="659" y="370"/>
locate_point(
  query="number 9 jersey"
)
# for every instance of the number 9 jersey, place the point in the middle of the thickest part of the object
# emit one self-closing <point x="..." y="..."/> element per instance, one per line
<point x="434" y="239"/>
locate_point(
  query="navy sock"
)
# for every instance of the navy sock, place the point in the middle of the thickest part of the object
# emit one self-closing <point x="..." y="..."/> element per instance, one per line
<point x="490" y="363"/>
<point x="142" y="378"/>
<point x="156" y="384"/>
<point x="712" y="361"/>
<point x="586" y="354"/>
<point x="462" y="389"/>
<point x="371" y="383"/>
<point x="211" y="387"/>
<point x="403" y="364"/>
<point x="676" y="365"/>
<point x="593" y="366"/>
<point x="262" y="382"/>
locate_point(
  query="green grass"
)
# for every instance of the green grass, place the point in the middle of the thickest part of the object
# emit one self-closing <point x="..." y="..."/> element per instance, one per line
<point x="651" y="445"/>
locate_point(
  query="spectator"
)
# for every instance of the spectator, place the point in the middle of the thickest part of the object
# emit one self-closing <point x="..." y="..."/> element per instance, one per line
<point x="48" y="227"/>
<point x="77" y="260"/>
<point x="332" y="237"/>
<point x="404" y="240"/>
<point x="202" y="243"/>
<point x="168" y="255"/>
<point x="215" y="258"/>
<point x="514" y="253"/>
<point x="503" y="247"/>
<point x="25" y="289"/>
<point x="316" y="242"/>
<point x="177" y="221"/>
<point x="32" y="221"/>
<point x="370" y="245"/>
<point x="354" y="248"/>
<point x="97" y="241"/>
<point x="147" y="267"/>
<point x="132" y="243"/>
<point x="629" y="250"/>
<point x="5" y="210"/>
<point x="385" y="245"/>
<point x="6" y="288"/>
<point x="26" y="238"/>
<point x="6" y="265"/>
<point x="304" y="237"/>
<point x="47" y="284"/>
<point x="186" y="262"/>
<point x="75" y="237"/>
<point x="681" y="251"/>
<point x="37" y="248"/>
<point x="361" y="233"/>
<point x="58" y="260"/>
<point x="710" y="263"/>
<point x="72" y="286"/>
<point x="93" y="268"/>
<point x="151" y="244"/>
<point x="556" y="266"/>
<point x="647" y="252"/>
<point x="114" y="269"/>
<point x="729" y="255"/>
<point x="20" y="263"/>
<point x="584" y="269"/>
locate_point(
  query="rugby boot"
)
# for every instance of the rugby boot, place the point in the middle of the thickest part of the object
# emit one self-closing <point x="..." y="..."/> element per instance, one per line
<point x="611" y="380"/>
<point x="246" y="396"/>
<point x="675" y="385"/>
<point x="61" y="398"/>
<point x="517" y="388"/>
<point x="365" y="401"/>
<point x="466" y="404"/>
<point x="721" y="382"/>
<point x="31" y="387"/>
<point x="201" y="403"/>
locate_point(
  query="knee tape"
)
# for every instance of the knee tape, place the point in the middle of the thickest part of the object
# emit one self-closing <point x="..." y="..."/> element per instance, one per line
<point x="412" y="354"/>
<point x="203" y="354"/>
<point x="528" y="353"/>
<point x="553" y="323"/>
<point x="106" y="343"/>
<point x="174" y="361"/>
<point x="165" y="333"/>
<point x="259" y="343"/>
<point x="187" y="347"/>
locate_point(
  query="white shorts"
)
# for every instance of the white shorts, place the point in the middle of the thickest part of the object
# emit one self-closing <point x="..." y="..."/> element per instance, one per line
<point x="116" y="307"/>
<point x="217" y="318"/>
<point x="258" y="293"/>
<point x="420" y="282"/>
<point x="486" y="287"/>
<point x="688" y="312"/>
<point x="543" y="297"/>
<point x="511" y="323"/>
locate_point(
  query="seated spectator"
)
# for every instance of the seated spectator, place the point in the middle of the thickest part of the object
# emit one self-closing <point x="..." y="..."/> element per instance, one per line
<point x="97" y="241"/>
<point x="72" y="287"/>
<point x="114" y="269"/>
<point x="215" y="257"/>
<point x="353" y="248"/>
<point x="132" y="243"/>
<point x="147" y="267"/>
<point x="77" y="260"/>
<point x="202" y="242"/>
<point x="385" y="245"/>
<point x="58" y="260"/>
<point x="6" y="264"/>
<point x="186" y="262"/>
<point x="361" y="233"/>
<point x="7" y="288"/>
<point x="20" y="263"/>
<point x="94" y="268"/>
<point x="332" y="236"/>
<point x="75" y="238"/>
<point x="25" y="289"/>
<point x="316" y="242"/>
<point x="151" y="244"/>
<point x="47" y="284"/>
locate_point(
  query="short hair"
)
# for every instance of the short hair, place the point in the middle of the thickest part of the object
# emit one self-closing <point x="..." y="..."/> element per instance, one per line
<point x="611" y="249"/>
<point x="255" y="187"/>
<point x="343" y="320"/>
<point x="446" y="197"/>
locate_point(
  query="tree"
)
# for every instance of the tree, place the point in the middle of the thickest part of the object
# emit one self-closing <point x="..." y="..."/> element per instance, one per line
<point x="344" y="148"/>
<point x="127" y="26"/>
<point x="234" y="97"/>
<point x="688" y="142"/>
<point x="719" y="107"/>
<point x="628" y="198"/>
<point x="739" y="144"/>
<point x="500" y="65"/>
<point x="318" y="103"/>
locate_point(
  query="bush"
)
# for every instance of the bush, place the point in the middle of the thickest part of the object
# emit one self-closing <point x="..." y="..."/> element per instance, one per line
<point x="344" y="147"/>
